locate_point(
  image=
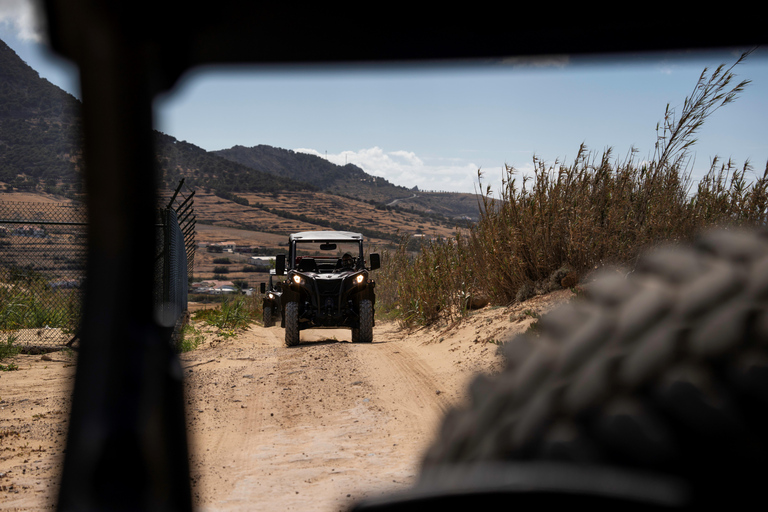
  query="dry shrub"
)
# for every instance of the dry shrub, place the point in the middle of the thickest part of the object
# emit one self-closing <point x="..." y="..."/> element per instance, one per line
<point x="595" y="213"/>
<point x="434" y="281"/>
<point x="572" y="219"/>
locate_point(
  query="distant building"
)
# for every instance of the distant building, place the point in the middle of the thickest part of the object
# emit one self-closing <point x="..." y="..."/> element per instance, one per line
<point x="222" y="247"/>
<point x="213" y="287"/>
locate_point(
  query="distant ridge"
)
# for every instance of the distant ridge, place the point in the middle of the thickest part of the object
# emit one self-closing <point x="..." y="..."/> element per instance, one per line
<point x="347" y="179"/>
<point x="41" y="150"/>
<point x="41" y="143"/>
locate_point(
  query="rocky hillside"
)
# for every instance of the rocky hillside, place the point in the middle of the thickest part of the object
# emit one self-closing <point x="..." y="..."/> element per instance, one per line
<point x="349" y="179"/>
<point x="39" y="129"/>
<point x="352" y="182"/>
<point x="40" y="151"/>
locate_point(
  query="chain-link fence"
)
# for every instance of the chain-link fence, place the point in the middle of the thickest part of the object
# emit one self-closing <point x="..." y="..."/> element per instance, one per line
<point x="42" y="267"/>
<point x="174" y="263"/>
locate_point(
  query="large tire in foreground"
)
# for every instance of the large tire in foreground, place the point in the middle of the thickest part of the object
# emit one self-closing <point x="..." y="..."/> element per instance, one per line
<point x="652" y="389"/>
<point x="364" y="334"/>
<point x="291" y="324"/>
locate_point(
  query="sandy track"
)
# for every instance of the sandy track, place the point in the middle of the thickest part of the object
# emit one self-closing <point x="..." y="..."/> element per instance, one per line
<point x="312" y="427"/>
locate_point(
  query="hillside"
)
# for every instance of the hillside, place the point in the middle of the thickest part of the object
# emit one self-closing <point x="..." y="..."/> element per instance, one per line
<point x="40" y="143"/>
<point x="290" y="211"/>
<point x="350" y="181"/>
<point x="205" y="170"/>
<point x="39" y="129"/>
<point x="40" y="151"/>
<point x="347" y="180"/>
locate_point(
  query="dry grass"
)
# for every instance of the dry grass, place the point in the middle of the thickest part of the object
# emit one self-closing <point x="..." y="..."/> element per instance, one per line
<point x="572" y="219"/>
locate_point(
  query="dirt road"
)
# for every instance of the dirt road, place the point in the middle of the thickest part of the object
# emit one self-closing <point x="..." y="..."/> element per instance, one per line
<point x="313" y="427"/>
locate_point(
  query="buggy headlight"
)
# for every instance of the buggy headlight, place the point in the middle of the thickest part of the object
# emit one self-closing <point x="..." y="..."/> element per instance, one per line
<point x="359" y="279"/>
<point x="271" y="296"/>
<point x="297" y="279"/>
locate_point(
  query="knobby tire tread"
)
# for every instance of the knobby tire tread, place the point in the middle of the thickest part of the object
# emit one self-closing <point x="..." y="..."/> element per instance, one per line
<point x="663" y="370"/>
<point x="291" y="324"/>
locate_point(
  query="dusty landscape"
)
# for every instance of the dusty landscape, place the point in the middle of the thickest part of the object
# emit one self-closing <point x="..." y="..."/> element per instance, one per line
<point x="314" y="427"/>
<point x="224" y="213"/>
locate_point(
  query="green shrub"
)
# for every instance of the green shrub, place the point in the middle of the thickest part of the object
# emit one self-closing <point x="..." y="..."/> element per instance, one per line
<point x="8" y="348"/>
<point x="190" y="339"/>
<point x="232" y="314"/>
<point x="32" y="305"/>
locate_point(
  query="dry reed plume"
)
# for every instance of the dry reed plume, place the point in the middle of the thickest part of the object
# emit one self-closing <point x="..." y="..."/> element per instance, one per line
<point x="575" y="218"/>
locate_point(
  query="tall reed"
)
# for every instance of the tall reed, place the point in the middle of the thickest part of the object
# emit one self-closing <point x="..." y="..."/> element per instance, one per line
<point x="597" y="211"/>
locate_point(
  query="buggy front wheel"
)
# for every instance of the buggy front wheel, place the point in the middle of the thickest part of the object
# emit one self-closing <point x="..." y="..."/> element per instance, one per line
<point x="364" y="333"/>
<point x="291" y="324"/>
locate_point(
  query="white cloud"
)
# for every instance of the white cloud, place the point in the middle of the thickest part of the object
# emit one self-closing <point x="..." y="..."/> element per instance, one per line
<point x="24" y="17"/>
<point x="408" y="169"/>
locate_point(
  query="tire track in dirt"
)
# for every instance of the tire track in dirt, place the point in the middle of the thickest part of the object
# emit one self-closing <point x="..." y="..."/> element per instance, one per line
<point x="314" y="427"/>
<point x="411" y="401"/>
<point x="34" y="406"/>
<point x="225" y="409"/>
<point x="311" y="427"/>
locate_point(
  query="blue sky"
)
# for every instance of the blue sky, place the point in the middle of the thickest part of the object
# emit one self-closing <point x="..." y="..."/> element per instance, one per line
<point x="434" y="127"/>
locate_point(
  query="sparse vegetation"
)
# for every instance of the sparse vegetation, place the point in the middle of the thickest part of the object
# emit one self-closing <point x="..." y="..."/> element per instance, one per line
<point x="421" y="287"/>
<point x="231" y="315"/>
<point x="190" y="339"/>
<point x="32" y="304"/>
<point x="8" y="349"/>
<point x="595" y="212"/>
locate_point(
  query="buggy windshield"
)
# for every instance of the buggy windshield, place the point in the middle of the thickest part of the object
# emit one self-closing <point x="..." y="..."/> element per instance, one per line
<point x="328" y="255"/>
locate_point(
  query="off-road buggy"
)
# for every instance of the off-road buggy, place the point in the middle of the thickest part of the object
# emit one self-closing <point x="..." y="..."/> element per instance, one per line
<point x="327" y="285"/>
<point x="271" y="307"/>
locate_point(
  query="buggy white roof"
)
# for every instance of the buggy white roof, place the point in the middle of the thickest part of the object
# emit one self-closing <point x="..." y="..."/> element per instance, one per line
<point x="325" y="236"/>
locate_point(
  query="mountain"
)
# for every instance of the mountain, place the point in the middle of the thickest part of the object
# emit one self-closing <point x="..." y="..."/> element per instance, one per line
<point x="41" y="150"/>
<point x="200" y="168"/>
<point x="41" y="143"/>
<point x="39" y="129"/>
<point x="349" y="180"/>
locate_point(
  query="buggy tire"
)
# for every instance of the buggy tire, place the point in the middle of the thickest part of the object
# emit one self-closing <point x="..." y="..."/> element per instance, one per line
<point x="267" y="315"/>
<point x="291" y="324"/>
<point x="364" y="334"/>
<point x="662" y="371"/>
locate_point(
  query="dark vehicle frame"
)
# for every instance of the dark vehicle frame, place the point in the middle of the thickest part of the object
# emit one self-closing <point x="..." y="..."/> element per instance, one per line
<point x="127" y="440"/>
<point x="321" y="292"/>
<point x="271" y="304"/>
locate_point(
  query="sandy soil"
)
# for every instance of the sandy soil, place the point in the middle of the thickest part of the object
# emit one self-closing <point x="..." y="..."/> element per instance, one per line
<point x="313" y="427"/>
